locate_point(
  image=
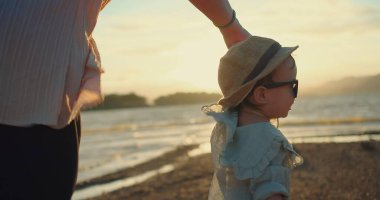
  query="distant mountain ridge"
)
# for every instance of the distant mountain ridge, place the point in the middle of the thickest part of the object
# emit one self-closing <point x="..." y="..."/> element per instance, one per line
<point x="132" y="100"/>
<point x="348" y="85"/>
<point x="181" y="98"/>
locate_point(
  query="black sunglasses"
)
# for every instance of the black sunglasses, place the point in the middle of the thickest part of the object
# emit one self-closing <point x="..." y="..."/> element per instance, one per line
<point x="293" y="85"/>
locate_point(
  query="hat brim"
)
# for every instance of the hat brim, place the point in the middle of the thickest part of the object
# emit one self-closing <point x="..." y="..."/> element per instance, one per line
<point x="241" y="93"/>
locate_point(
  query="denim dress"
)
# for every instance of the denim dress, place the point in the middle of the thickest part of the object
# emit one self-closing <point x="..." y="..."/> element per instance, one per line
<point x="251" y="162"/>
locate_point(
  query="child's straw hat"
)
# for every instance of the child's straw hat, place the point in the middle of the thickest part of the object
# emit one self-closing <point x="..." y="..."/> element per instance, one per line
<point x="245" y="63"/>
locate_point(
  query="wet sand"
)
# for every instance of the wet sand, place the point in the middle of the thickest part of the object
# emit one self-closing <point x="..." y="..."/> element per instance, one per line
<point x="332" y="171"/>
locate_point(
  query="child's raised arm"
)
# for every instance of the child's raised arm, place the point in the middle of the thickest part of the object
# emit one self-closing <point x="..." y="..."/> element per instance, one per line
<point x="223" y="16"/>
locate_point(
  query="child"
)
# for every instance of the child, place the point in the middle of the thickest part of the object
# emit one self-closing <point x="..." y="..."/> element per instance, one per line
<point x="252" y="158"/>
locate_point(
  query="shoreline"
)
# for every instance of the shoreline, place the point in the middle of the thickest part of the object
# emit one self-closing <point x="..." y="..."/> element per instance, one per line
<point x="177" y="155"/>
<point x="330" y="171"/>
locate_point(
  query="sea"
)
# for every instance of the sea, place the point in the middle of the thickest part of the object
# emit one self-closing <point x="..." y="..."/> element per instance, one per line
<point x="121" y="138"/>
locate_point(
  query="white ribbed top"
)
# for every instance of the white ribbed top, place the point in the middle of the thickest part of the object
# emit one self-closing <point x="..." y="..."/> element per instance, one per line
<point x="49" y="63"/>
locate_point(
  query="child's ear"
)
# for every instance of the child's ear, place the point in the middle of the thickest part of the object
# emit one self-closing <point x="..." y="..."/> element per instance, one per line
<point x="259" y="95"/>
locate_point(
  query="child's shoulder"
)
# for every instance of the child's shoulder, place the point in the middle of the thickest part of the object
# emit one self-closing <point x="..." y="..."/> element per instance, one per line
<point x="260" y="131"/>
<point x="254" y="147"/>
<point x="261" y="141"/>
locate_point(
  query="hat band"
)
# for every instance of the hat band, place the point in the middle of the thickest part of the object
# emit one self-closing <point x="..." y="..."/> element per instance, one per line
<point x="264" y="60"/>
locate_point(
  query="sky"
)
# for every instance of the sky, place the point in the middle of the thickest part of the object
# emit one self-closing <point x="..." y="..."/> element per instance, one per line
<point x="159" y="47"/>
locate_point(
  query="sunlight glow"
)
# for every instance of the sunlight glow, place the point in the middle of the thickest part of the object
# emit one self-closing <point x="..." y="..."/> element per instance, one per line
<point x="155" y="47"/>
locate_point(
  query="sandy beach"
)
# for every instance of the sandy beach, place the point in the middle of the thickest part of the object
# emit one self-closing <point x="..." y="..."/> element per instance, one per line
<point x="330" y="171"/>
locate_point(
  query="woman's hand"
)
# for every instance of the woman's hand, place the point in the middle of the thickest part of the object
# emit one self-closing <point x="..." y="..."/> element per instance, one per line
<point x="221" y="13"/>
<point x="234" y="33"/>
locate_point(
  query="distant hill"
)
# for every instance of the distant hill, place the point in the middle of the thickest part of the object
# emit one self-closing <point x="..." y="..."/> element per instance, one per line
<point x="187" y="98"/>
<point x="348" y="85"/>
<point x="132" y="100"/>
<point x="114" y="101"/>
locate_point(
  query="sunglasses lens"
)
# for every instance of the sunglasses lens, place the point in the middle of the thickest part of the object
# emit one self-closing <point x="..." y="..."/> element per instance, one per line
<point x="295" y="89"/>
<point x="292" y="84"/>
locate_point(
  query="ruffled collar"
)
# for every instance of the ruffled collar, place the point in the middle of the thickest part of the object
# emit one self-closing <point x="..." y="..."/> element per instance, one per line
<point x="229" y="118"/>
<point x="250" y="148"/>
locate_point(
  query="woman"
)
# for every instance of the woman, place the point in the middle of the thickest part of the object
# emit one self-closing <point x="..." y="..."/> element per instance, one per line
<point x="50" y="68"/>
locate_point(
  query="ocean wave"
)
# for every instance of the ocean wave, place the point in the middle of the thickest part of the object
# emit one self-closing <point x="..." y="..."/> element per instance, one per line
<point x="339" y="121"/>
<point x="132" y="127"/>
<point x="149" y="125"/>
